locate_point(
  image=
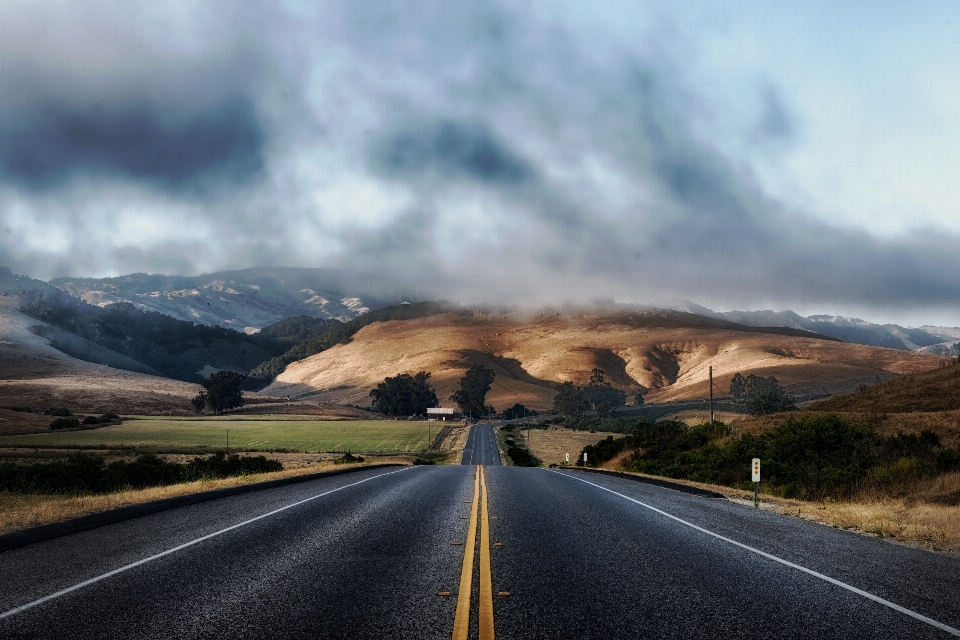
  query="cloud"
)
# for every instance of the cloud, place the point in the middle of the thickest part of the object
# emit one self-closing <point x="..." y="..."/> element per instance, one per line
<point x="450" y="149"/>
<point x="489" y="152"/>
<point x="172" y="148"/>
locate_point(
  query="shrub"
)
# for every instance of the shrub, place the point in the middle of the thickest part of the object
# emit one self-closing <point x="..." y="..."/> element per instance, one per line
<point x="90" y="420"/>
<point x="65" y="423"/>
<point x="348" y="458"/>
<point x="58" y="411"/>
<point x="82" y="473"/>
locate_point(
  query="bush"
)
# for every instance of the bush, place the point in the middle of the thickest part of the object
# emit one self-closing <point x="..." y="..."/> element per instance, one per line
<point x="90" y="420"/>
<point x="58" y="411"/>
<point x="808" y="457"/>
<point x="418" y="461"/>
<point x="84" y="474"/>
<point x="65" y="423"/>
<point x="348" y="458"/>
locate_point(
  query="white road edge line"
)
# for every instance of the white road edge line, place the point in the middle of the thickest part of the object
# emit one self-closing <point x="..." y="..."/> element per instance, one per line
<point x="843" y="585"/>
<point x="85" y="583"/>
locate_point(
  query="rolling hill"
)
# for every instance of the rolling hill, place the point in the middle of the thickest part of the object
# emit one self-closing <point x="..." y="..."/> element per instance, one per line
<point x="663" y="354"/>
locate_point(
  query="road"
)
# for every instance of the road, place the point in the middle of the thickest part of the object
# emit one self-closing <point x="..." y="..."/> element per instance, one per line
<point x="481" y="447"/>
<point x="368" y="555"/>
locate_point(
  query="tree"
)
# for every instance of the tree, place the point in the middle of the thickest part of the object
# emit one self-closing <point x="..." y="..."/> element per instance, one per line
<point x="600" y="395"/>
<point x="223" y="391"/>
<point x="762" y="395"/>
<point x="569" y="400"/>
<point x="199" y="402"/>
<point x="405" y="395"/>
<point x="518" y="411"/>
<point x="638" y="400"/>
<point x="738" y="387"/>
<point x="471" y="393"/>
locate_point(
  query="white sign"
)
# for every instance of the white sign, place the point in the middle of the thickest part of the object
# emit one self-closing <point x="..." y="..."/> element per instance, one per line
<point x="756" y="469"/>
<point x="567" y="457"/>
<point x="584" y="456"/>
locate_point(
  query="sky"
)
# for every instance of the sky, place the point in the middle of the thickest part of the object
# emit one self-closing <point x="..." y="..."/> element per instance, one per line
<point x="743" y="155"/>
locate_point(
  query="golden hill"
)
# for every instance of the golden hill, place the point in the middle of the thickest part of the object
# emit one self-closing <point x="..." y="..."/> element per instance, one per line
<point x="926" y="391"/>
<point x="666" y="354"/>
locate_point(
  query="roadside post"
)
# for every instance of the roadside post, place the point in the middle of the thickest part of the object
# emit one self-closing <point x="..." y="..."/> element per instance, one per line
<point x="756" y="482"/>
<point x="584" y="458"/>
<point x="566" y="458"/>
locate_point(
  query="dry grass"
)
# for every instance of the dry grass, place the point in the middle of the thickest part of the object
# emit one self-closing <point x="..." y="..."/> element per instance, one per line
<point x="927" y="391"/>
<point x="929" y="518"/>
<point x="946" y="424"/>
<point x="668" y="354"/>
<point x="19" y="511"/>
<point x="551" y="445"/>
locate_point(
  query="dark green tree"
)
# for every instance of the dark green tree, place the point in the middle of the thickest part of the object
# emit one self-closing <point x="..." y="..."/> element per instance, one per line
<point x="404" y="395"/>
<point x="471" y="393"/>
<point x="761" y="395"/>
<point x="223" y="391"/>
<point x="600" y="395"/>
<point x="638" y="400"/>
<point x="518" y="411"/>
<point x="738" y="387"/>
<point x="569" y="400"/>
<point x="199" y="402"/>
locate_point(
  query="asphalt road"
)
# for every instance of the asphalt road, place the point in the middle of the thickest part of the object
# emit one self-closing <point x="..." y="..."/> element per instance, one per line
<point x="481" y="447"/>
<point x="366" y="555"/>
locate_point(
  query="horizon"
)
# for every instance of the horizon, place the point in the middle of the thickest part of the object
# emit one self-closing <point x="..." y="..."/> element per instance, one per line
<point x="669" y="305"/>
<point x="784" y="157"/>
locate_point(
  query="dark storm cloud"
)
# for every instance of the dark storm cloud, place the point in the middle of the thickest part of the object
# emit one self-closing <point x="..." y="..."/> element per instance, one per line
<point x="533" y="163"/>
<point x="166" y="145"/>
<point x="450" y="149"/>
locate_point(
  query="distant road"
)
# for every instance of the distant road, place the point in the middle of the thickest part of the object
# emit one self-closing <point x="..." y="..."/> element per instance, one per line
<point x="481" y="447"/>
<point x="367" y="555"/>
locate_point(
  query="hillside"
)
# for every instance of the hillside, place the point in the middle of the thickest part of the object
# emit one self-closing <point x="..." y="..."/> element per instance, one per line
<point x="246" y="299"/>
<point x="926" y="391"/>
<point x="663" y="354"/>
<point x="929" y="339"/>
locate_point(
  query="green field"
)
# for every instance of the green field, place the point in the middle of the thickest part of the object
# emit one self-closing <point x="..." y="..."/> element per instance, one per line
<point x="160" y="433"/>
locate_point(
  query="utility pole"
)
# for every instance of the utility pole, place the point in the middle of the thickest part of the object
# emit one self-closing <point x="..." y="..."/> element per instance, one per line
<point x="711" y="396"/>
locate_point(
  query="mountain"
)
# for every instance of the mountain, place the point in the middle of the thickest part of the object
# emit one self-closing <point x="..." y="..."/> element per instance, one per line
<point x="666" y="355"/>
<point x="247" y="299"/>
<point x="929" y="339"/>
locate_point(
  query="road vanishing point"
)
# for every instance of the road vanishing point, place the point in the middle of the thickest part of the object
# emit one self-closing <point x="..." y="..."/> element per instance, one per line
<point x="477" y="550"/>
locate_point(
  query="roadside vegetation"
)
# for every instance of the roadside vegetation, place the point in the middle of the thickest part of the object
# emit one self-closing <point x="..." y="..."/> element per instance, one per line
<point x="83" y="473"/>
<point x="516" y="449"/>
<point x="807" y="457"/>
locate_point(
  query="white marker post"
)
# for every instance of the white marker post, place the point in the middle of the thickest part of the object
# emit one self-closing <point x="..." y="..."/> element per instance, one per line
<point x="756" y="482"/>
<point x="567" y="457"/>
<point x="584" y="458"/>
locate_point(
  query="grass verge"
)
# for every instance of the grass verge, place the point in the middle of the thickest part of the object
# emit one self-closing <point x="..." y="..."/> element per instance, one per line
<point x="20" y="511"/>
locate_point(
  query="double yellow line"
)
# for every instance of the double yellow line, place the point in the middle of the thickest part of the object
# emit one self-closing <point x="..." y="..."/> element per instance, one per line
<point x="461" y="622"/>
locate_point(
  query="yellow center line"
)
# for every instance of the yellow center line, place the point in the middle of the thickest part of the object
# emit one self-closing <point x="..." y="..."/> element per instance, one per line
<point x="486" y="583"/>
<point x="461" y="622"/>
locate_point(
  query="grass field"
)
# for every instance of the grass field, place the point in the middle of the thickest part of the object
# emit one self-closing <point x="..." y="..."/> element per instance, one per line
<point x="164" y="433"/>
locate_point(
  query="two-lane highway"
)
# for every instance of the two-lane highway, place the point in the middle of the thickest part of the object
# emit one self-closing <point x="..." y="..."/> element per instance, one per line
<point x="481" y="447"/>
<point x="553" y="554"/>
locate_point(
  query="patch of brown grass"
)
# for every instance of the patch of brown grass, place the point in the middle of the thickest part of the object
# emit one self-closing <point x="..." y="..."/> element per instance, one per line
<point x="926" y="391"/>
<point x="20" y="511"/>
<point x="929" y="518"/>
<point x="550" y="445"/>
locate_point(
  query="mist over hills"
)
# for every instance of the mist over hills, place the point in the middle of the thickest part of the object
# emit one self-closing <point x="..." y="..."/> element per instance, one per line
<point x="928" y="339"/>
<point x="245" y="299"/>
